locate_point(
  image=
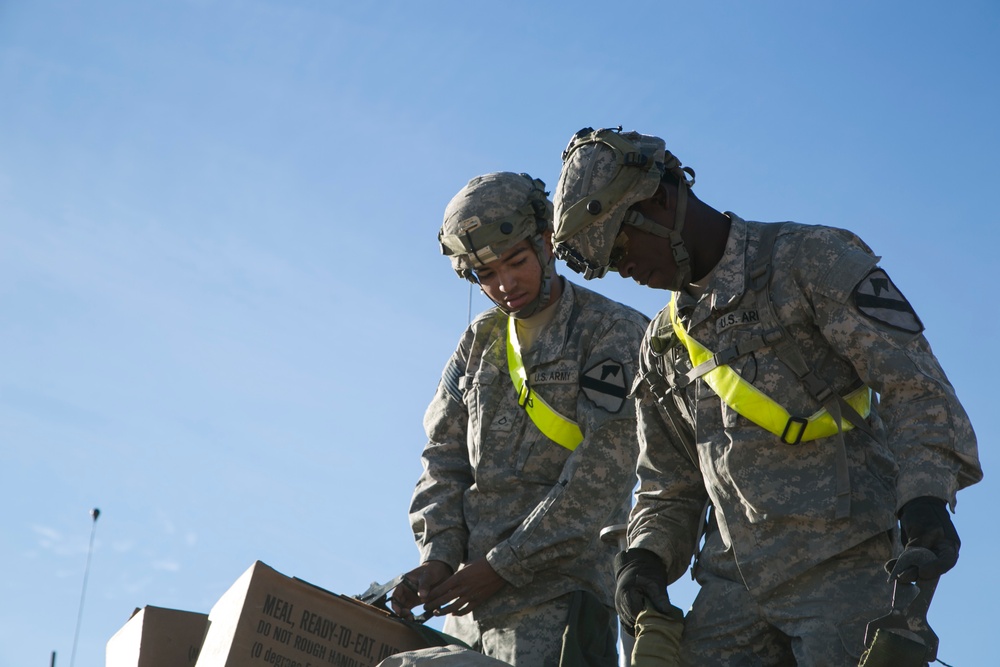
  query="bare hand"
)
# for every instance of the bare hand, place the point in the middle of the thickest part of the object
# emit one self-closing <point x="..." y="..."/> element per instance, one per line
<point x="416" y="586"/>
<point x="465" y="590"/>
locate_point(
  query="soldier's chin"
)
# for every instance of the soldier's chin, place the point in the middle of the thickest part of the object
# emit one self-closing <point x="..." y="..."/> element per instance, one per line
<point x="525" y="311"/>
<point x="657" y="280"/>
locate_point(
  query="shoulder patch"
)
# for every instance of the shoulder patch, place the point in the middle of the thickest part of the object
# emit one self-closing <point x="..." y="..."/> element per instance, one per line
<point x="604" y="385"/>
<point x="879" y="299"/>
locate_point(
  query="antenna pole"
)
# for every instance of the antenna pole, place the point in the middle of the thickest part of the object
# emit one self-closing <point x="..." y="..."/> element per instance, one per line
<point x="94" y="513"/>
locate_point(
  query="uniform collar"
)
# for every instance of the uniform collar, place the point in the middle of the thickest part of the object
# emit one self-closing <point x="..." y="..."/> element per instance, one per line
<point x="551" y="339"/>
<point x="728" y="281"/>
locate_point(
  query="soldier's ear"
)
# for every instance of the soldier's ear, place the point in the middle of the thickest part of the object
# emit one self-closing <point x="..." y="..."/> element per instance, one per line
<point x="661" y="193"/>
<point x="664" y="197"/>
<point x="547" y="241"/>
<point x="669" y="192"/>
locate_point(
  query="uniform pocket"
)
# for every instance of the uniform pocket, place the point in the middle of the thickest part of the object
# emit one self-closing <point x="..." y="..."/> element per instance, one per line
<point x="479" y="388"/>
<point x="540" y="460"/>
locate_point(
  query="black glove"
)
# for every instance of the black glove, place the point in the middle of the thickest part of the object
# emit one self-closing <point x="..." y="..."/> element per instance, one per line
<point x="640" y="578"/>
<point x="924" y="522"/>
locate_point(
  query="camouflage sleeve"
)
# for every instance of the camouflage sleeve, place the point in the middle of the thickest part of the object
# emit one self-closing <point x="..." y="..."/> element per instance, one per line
<point x="870" y="323"/>
<point x="595" y="480"/>
<point x="436" y="509"/>
<point x="670" y="500"/>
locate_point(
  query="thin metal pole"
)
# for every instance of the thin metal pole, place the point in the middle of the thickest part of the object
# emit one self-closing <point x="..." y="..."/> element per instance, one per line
<point x="93" y="528"/>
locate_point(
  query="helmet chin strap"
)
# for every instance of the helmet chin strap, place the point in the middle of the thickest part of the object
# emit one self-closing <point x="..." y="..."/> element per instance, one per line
<point x="680" y="254"/>
<point x="548" y="263"/>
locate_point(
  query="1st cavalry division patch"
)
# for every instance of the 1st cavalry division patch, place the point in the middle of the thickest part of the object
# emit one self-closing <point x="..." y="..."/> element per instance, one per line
<point x="604" y="384"/>
<point x="879" y="299"/>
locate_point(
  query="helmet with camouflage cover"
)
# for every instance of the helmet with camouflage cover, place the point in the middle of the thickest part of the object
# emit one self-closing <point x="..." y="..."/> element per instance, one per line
<point x="604" y="173"/>
<point x="492" y="214"/>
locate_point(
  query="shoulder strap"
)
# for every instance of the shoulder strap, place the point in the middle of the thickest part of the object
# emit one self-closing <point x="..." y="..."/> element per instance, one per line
<point x="789" y="354"/>
<point x="785" y="348"/>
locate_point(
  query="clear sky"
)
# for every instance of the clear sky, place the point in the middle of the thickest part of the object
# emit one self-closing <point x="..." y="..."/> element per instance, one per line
<point x="222" y="305"/>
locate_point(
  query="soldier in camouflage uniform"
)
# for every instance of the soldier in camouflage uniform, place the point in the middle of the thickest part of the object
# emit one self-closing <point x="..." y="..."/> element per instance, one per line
<point x="789" y="387"/>
<point x="531" y="444"/>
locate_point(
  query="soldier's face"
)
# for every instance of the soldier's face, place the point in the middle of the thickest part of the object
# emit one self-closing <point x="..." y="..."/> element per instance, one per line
<point x="515" y="279"/>
<point x="647" y="260"/>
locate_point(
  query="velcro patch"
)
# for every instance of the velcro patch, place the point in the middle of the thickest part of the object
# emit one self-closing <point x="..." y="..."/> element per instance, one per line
<point x="604" y="384"/>
<point x="450" y="379"/>
<point x="877" y="298"/>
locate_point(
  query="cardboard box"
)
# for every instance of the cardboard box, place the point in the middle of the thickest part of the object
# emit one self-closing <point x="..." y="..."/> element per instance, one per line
<point x="157" y="637"/>
<point x="266" y="618"/>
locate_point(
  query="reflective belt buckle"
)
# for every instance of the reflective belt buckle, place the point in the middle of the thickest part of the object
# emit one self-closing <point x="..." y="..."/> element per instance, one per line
<point x="802" y="422"/>
<point x="724" y="357"/>
<point x="524" y="396"/>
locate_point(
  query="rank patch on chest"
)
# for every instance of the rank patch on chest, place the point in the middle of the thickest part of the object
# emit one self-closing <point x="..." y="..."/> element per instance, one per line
<point x="503" y="423"/>
<point x="736" y="318"/>
<point x="604" y="385"/>
<point x="877" y="298"/>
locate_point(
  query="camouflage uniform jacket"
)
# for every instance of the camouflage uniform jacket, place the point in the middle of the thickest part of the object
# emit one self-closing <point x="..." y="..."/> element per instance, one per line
<point x="494" y="486"/>
<point x="774" y="503"/>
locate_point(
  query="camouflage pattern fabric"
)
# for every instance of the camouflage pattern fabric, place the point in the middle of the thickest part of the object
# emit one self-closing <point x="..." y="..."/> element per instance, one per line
<point x="774" y="504"/>
<point x="582" y="220"/>
<point x="494" y="486"/>
<point x="826" y="609"/>
<point x="532" y="637"/>
<point x="538" y="636"/>
<point x="480" y="223"/>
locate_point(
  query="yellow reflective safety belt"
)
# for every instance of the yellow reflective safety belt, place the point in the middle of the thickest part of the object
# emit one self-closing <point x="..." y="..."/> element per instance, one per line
<point x="760" y="408"/>
<point x="554" y="426"/>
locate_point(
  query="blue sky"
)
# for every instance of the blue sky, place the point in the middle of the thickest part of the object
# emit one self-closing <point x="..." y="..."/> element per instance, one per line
<point x="222" y="307"/>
